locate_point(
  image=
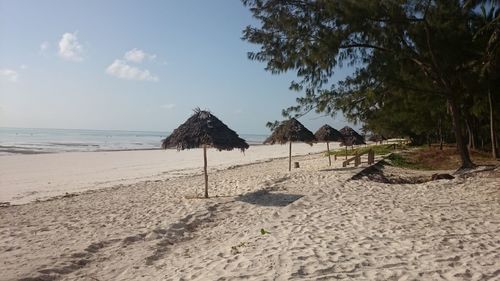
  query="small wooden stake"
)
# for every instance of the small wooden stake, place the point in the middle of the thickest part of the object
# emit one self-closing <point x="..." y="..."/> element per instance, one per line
<point x="371" y="157"/>
<point x="328" y="151"/>
<point x="205" y="169"/>
<point x="290" y="158"/>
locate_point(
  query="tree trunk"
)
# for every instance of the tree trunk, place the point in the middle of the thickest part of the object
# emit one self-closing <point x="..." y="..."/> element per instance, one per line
<point x="469" y="134"/>
<point x="470" y="131"/>
<point x="328" y="151"/>
<point x="205" y="169"/>
<point x="440" y="132"/>
<point x="346" y="152"/>
<point x="459" y="138"/>
<point x="290" y="158"/>
<point x="492" y="126"/>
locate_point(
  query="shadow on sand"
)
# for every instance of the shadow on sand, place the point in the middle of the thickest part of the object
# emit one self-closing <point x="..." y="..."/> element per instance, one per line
<point x="340" y="169"/>
<point x="266" y="198"/>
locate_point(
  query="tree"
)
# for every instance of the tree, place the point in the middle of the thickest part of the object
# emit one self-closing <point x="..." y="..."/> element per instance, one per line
<point x="489" y="33"/>
<point x="432" y="38"/>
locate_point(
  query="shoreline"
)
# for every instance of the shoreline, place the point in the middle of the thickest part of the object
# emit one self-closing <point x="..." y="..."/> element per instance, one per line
<point x="6" y="204"/>
<point x="16" y="150"/>
<point x="26" y="178"/>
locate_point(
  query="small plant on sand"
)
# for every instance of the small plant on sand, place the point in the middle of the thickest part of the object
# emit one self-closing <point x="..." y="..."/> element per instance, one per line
<point x="402" y="161"/>
<point x="264" y="232"/>
<point x="236" y="249"/>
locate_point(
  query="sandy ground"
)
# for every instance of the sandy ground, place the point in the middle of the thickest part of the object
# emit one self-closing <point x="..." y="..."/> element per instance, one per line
<point x="25" y="178"/>
<point x="319" y="225"/>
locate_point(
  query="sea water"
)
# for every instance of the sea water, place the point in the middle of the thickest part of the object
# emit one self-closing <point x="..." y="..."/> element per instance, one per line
<point x="32" y="141"/>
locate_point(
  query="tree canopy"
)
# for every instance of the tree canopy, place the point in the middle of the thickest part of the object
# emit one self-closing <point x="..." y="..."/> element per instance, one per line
<point x="422" y="66"/>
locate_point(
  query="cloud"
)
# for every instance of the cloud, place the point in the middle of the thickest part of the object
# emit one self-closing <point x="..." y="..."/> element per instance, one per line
<point x="23" y="66"/>
<point x="44" y="46"/>
<point x="121" y="69"/>
<point x="69" y="47"/>
<point x="9" y="74"/>
<point x="168" y="106"/>
<point x="137" y="55"/>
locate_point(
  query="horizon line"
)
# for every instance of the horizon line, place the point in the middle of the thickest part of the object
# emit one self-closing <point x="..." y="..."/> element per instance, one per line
<point x="116" y="130"/>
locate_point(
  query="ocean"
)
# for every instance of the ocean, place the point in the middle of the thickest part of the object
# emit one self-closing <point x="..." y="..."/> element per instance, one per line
<point x="33" y="141"/>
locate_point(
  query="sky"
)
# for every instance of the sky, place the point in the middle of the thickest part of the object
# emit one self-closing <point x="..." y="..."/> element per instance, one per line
<point x="136" y="65"/>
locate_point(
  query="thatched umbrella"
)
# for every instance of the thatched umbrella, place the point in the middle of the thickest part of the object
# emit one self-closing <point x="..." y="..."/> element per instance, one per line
<point x="377" y="138"/>
<point x="290" y="131"/>
<point x="203" y="129"/>
<point x="351" y="138"/>
<point x="328" y="134"/>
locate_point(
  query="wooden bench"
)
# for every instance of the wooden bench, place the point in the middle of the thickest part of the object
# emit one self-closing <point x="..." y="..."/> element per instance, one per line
<point x="357" y="159"/>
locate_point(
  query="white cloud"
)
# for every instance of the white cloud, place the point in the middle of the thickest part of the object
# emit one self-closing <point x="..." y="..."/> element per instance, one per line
<point x="9" y="74"/>
<point x="70" y="48"/>
<point x="121" y="69"/>
<point x="44" y="46"/>
<point x="168" y="106"/>
<point x="137" y="55"/>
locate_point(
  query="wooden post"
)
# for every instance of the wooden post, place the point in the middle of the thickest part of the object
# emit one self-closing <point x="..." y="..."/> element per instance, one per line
<point x="205" y="169"/>
<point x="346" y="152"/>
<point x="328" y="151"/>
<point x="335" y="157"/>
<point x="371" y="157"/>
<point x="290" y="158"/>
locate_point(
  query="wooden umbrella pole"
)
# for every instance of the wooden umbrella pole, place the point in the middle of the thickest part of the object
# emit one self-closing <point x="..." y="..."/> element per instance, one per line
<point x="328" y="151"/>
<point x="205" y="169"/>
<point x="346" y="152"/>
<point x="290" y="157"/>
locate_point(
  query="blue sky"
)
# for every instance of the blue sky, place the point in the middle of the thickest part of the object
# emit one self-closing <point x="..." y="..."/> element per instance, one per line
<point x="135" y="65"/>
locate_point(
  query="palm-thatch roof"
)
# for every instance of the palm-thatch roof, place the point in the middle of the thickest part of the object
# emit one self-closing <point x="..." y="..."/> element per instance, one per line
<point x="327" y="133"/>
<point x="290" y="130"/>
<point x="377" y="138"/>
<point x="351" y="137"/>
<point x="203" y="128"/>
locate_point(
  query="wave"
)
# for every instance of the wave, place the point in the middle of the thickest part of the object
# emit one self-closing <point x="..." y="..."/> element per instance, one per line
<point x="33" y="141"/>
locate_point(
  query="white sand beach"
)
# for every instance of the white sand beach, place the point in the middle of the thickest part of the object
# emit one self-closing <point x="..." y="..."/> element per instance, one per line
<point x="97" y="96"/>
<point x="24" y="178"/>
<point x="319" y="225"/>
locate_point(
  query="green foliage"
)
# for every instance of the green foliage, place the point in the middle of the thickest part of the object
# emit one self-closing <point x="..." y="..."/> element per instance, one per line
<point x="399" y="160"/>
<point x="418" y="62"/>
